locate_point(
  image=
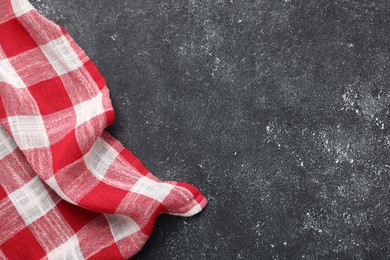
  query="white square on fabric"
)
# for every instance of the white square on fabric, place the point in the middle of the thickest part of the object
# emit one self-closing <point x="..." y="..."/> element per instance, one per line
<point x="9" y="75"/>
<point x="68" y="250"/>
<point x="32" y="200"/>
<point x="121" y="226"/>
<point x="100" y="158"/>
<point x="21" y="7"/>
<point x="29" y="132"/>
<point x="152" y="189"/>
<point x="89" y="109"/>
<point x="61" y="55"/>
<point x="7" y="144"/>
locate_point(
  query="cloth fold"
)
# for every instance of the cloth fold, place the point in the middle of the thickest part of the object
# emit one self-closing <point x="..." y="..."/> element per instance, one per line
<point x="68" y="189"/>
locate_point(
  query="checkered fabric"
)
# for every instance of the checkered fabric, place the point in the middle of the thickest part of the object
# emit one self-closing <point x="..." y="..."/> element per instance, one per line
<point x="68" y="189"/>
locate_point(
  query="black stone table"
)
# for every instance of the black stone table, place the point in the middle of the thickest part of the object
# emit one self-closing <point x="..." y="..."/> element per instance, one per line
<point x="278" y="110"/>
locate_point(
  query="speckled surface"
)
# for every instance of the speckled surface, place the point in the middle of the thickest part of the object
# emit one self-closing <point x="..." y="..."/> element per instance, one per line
<point x="277" y="110"/>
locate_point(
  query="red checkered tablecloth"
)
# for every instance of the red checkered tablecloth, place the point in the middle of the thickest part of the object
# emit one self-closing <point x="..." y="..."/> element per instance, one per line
<point x="68" y="189"/>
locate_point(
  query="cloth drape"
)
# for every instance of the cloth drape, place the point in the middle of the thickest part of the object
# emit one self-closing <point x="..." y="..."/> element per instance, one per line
<point x="68" y="189"/>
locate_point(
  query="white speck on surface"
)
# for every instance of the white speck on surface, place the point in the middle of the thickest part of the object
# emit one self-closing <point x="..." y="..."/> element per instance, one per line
<point x="114" y="36"/>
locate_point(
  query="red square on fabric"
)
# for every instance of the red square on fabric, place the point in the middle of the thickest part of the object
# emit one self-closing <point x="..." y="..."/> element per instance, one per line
<point x="14" y="38"/>
<point x="133" y="160"/>
<point x="22" y="245"/>
<point x="3" y="114"/>
<point x="108" y="197"/>
<point x="76" y="217"/>
<point x="50" y="95"/>
<point x="95" y="74"/>
<point x="65" y="151"/>
<point x="111" y="252"/>
<point x="3" y="194"/>
<point x="110" y="117"/>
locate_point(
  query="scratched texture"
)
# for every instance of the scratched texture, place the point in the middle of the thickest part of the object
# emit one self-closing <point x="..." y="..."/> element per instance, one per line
<point x="278" y="110"/>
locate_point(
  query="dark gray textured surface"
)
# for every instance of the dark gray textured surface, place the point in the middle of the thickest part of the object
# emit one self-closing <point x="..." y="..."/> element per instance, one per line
<point x="277" y="110"/>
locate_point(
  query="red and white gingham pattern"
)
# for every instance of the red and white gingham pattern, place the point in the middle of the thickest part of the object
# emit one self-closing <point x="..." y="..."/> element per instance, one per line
<point x="68" y="190"/>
